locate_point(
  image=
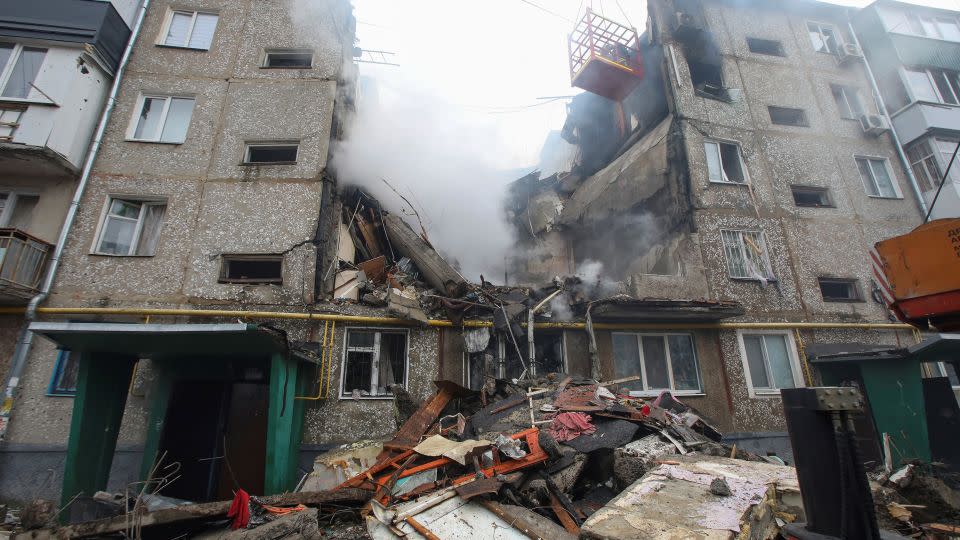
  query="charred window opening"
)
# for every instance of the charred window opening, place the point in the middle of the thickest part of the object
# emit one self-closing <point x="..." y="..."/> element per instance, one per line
<point x="788" y="116"/>
<point x="373" y="362"/>
<point x="769" y="47"/>
<point x="705" y="64"/>
<point x="548" y="349"/>
<point x="268" y="153"/>
<point x="500" y="360"/>
<point x="816" y="197"/>
<point x="839" y="290"/>
<point x="252" y="269"/>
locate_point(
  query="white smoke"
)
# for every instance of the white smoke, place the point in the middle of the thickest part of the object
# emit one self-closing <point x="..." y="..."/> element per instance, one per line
<point x="449" y="167"/>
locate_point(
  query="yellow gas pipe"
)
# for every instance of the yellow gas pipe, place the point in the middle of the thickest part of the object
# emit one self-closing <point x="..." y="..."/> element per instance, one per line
<point x="326" y="364"/>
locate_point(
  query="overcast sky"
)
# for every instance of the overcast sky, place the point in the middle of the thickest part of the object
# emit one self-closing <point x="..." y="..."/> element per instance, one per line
<point x="493" y="59"/>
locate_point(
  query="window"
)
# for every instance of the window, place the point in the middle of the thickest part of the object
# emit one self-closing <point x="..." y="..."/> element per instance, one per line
<point x="786" y="116"/>
<point x="816" y="197"/>
<point x="131" y="227"/>
<point x="848" y="101"/>
<point x="663" y="361"/>
<point x="724" y="162"/>
<point x="500" y="359"/>
<point x="19" y="66"/>
<point x="16" y="209"/>
<point x="252" y="269"/>
<point x="161" y="119"/>
<point x="10" y="121"/>
<point x="946" y="369"/>
<point x="839" y="290"/>
<point x="937" y="27"/>
<point x="823" y="37"/>
<point x="282" y="153"/>
<point x="373" y="360"/>
<point x="876" y="178"/>
<point x="765" y="46"/>
<point x="927" y="167"/>
<point x="936" y="85"/>
<point x="288" y="58"/>
<point x="189" y="29"/>
<point x="769" y="362"/>
<point x="746" y="253"/>
<point x="64" y="379"/>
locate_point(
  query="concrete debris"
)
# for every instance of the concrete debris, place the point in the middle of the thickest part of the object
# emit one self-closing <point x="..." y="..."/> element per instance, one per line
<point x="719" y="487"/>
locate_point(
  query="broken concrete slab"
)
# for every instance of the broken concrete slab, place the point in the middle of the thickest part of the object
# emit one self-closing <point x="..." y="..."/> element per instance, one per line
<point x="340" y="464"/>
<point x="674" y="501"/>
<point x="635" y="459"/>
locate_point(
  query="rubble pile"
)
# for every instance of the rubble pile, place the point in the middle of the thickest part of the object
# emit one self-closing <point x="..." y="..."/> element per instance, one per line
<point x="918" y="500"/>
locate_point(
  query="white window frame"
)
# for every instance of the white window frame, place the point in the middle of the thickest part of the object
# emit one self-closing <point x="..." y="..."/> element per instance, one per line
<point x="374" y="369"/>
<point x="168" y="20"/>
<point x="723" y="172"/>
<point x="9" y="207"/>
<point x="919" y="23"/>
<point x="795" y="367"/>
<point x="933" y="84"/>
<point x="168" y="99"/>
<point x="845" y="91"/>
<point x="649" y="392"/>
<point x="138" y="231"/>
<point x="927" y="157"/>
<point x="836" y="37"/>
<point x="743" y="248"/>
<point x="7" y="71"/>
<point x="893" y="178"/>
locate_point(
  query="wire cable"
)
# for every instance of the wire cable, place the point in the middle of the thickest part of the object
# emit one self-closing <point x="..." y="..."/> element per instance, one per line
<point x="545" y="10"/>
<point x="624" y="13"/>
<point x="942" y="182"/>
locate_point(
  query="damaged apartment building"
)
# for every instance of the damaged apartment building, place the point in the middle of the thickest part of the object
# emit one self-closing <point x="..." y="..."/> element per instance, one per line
<point x="718" y="187"/>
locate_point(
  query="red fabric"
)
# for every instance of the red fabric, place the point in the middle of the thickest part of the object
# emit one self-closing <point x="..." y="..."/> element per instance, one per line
<point x="645" y="410"/>
<point x="570" y="425"/>
<point x="240" y="510"/>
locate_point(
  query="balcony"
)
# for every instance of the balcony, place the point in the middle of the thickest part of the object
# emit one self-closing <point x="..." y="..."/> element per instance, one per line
<point x="23" y="259"/>
<point x="921" y="117"/>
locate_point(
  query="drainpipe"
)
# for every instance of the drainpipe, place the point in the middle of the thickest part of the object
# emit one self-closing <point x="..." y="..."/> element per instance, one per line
<point x="25" y="340"/>
<point x="893" y="132"/>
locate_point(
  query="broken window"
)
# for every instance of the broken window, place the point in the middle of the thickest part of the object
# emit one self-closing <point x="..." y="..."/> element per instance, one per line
<point x="707" y="77"/>
<point x="63" y="382"/>
<point x="724" y="162"/>
<point x="816" y="197"/>
<point x="823" y="37"/>
<point x="548" y="350"/>
<point x="839" y="290"/>
<point x="261" y="153"/>
<point x="746" y="253"/>
<point x="131" y="227"/>
<point x="252" y="269"/>
<point x="876" y="177"/>
<point x="848" y="101"/>
<point x="770" y="362"/>
<point x="663" y="362"/>
<point x="373" y="361"/>
<point x="189" y="29"/>
<point x="17" y="81"/>
<point x="788" y="116"/>
<point x="161" y="119"/>
<point x="288" y="58"/>
<point x="769" y="47"/>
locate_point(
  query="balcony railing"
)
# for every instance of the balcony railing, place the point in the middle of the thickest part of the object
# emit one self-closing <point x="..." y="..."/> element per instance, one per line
<point x="23" y="259"/>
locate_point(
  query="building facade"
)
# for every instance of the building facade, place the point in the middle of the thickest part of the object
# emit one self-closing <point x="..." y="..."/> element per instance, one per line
<point x="915" y="55"/>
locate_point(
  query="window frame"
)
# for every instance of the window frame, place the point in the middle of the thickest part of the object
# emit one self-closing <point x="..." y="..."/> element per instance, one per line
<point x="834" y="33"/>
<point x="343" y="395"/>
<point x="796" y="367"/>
<point x="890" y="174"/>
<point x="952" y="78"/>
<point x="248" y="144"/>
<point x="845" y="91"/>
<point x="778" y="45"/>
<point x="853" y="282"/>
<point x="819" y="189"/>
<point x="225" y="258"/>
<point x="923" y="158"/>
<point x="53" y="390"/>
<point x="805" y="120"/>
<point x="144" y="201"/>
<point x="168" y="20"/>
<point x="723" y="172"/>
<point x="9" y="207"/>
<point x="652" y="392"/>
<point x="294" y="50"/>
<point x="7" y="71"/>
<point x="164" y="116"/>
<point x="743" y="249"/>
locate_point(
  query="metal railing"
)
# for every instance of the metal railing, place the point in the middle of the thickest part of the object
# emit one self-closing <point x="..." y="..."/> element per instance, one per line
<point x="596" y="36"/>
<point x="22" y="261"/>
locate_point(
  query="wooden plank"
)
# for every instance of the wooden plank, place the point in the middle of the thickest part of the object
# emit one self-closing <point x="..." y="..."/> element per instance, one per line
<point x="191" y="512"/>
<point x="369" y="234"/>
<point x="434" y="269"/>
<point x="565" y="519"/>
